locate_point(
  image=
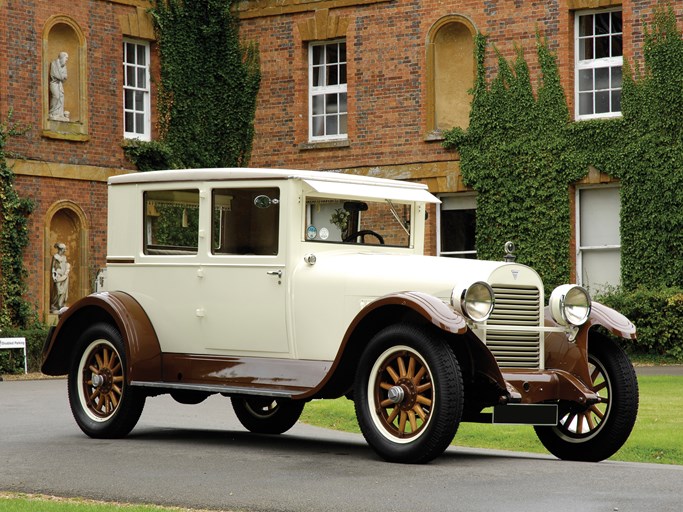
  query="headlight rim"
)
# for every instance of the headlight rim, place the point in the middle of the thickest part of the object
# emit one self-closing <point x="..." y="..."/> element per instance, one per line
<point x="461" y="298"/>
<point x="559" y="309"/>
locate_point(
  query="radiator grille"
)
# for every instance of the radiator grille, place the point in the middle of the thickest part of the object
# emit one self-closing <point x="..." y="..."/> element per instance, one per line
<point x="515" y="306"/>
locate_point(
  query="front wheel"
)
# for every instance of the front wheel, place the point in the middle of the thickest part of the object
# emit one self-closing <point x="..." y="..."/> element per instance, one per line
<point x="595" y="432"/>
<point x="265" y="415"/>
<point x="408" y="394"/>
<point x="102" y="403"/>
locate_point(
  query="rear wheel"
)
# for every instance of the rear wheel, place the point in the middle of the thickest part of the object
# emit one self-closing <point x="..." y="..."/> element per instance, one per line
<point x="408" y="394"/>
<point x="102" y="403"/>
<point x="595" y="432"/>
<point x="265" y="415"/>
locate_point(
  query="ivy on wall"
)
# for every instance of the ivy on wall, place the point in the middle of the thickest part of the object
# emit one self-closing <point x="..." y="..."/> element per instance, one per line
<point x="521" y="152"/>
<point x="517" y="155"/>
<point x="15" y="311"/>
<point x="207" y="92"/>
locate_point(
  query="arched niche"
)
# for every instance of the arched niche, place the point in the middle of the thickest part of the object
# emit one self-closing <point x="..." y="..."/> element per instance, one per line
<point x="66" y="223"/>
<point x="451" y="70"/>
<point x="61" y="34"/>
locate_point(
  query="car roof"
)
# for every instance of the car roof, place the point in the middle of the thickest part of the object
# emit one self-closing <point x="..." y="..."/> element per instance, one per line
<point x="319" y="180"/>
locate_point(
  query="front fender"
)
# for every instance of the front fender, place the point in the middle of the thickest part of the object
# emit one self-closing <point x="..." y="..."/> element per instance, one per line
<point x="572" y="357"/>
<point x="143" y="352"/>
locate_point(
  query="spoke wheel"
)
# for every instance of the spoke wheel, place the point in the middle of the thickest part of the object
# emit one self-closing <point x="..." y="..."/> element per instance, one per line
<point x="598" y="431"/>
<point x="101" y="401"/>
<point x="265" y="415"/>
<point x="408" y="394"/>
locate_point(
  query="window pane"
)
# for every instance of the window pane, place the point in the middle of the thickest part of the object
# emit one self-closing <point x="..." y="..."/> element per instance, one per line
<point x="331" y="125"/>
<point x="342" y="73"/>
<point x="599" y="211"/>
<point x="602" y="23"/>
<point x="332" y="53"/>
<point x="616" y="77"/>
<point x="142" y="78"/>
<point x="342" y="124"/>
<point x="129" y="53"/>
<point x="129" y="122"/>
<point x="585" y="25"/>
<point x="600" y="269"/>
<point x="139" y="123"/>
<point x="602" y="47"/>
<point x="342" y="52"/>
<point x="602" y="78"/>
<point x="586" y="80"/>
<point x="318" y="55"/>
<point x="317" y="77"/>
<point x="458" y="229"/>
<point x="616" y="101"/>
<point x="331" y="106"/>
<point x="171" y="222"/>
<point x="602" y="102"/>
<point x="585" y="104"/>
<point x="318" y="126"/>
<point x="139" y="101"/>
<point x="616" y="22"/>
<point x="617" y="46"/>
<point x="142" y="60"/>
<point x="318" y="105"/>
<point x="586" y="49"/>
<point x="333" y="75"/>
<point x="130" y="76"/>
<point x="342" y="103"/>
<point x="128" y="103"/>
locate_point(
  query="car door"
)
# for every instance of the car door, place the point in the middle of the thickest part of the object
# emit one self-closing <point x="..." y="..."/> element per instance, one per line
<point x="243" y="286"/>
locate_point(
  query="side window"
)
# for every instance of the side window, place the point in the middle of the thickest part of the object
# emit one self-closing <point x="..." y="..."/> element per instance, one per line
<point x="457" y="226"/>
<point x="171" y="222"/>
<point x="245" y="221"/>
<point x="327" y="91"/>
<point x="599" y="61"/>
<point x="136" y="100"/>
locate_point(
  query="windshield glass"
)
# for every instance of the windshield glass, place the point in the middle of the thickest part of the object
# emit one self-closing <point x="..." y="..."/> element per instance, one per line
<point x="344" y="220"/>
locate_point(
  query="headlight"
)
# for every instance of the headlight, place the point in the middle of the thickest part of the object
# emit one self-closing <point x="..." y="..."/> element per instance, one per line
<point x="570" y="305"/>
<point x="475" y="302"/>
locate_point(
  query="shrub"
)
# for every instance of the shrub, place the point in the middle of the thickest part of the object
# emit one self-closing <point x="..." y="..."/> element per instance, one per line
<point x="657" y="315"/>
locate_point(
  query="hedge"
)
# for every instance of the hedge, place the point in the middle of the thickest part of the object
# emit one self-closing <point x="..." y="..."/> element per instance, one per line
<point x="12" y="361"/>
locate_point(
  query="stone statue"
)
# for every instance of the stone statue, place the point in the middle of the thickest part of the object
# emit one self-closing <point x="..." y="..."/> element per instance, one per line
<point x="60" y="279"/>
<point x="57" y="79"/>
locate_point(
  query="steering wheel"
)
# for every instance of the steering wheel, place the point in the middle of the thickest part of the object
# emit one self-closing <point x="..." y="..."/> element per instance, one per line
<point x="362" y="234"/>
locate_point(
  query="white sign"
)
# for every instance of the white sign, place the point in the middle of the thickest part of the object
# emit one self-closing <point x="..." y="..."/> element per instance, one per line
<point x="15" y="343"/>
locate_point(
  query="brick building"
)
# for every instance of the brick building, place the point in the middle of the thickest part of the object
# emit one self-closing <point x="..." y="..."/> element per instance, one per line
<point x="358" y="86"/>
<point x="65" y="157"/>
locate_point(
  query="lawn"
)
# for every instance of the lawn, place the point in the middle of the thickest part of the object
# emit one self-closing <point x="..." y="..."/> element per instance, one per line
<point x="655" y="438"/>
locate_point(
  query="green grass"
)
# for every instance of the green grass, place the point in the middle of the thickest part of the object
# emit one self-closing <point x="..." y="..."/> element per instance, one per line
<point x="19" y="502"/>
<point x="655" y="438"/>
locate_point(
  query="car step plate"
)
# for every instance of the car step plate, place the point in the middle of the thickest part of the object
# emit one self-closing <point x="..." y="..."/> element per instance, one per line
<point x="526" y="414"/>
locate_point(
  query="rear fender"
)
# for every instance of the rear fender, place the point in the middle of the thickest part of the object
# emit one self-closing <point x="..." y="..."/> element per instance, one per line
<point x="143" y="351"/>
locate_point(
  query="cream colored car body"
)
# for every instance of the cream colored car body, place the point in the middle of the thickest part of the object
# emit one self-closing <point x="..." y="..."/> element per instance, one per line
<point x="280" y="305"/>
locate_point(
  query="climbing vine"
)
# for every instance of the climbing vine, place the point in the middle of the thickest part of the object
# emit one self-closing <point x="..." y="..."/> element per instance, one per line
<point x="521" y="152"/>
<point x="207" y="91"/>
<point x="15" y="311"/>
<point x="517" y="155"/>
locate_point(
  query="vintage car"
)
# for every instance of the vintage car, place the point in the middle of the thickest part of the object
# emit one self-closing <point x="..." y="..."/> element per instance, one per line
<point x="278" y="287"/>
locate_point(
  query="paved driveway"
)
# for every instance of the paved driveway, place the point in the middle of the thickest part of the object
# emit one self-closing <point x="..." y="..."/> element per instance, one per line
<point x="199" y="456"/>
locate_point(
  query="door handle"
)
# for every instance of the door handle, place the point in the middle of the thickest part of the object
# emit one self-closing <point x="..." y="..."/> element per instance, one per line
<point x="277" y="273"/>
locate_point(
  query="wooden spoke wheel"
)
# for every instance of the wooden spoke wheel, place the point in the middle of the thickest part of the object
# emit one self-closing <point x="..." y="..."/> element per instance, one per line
<point x="101" y="401"/>
<point x="408" y="393"/>
<point x="597" y="431"/>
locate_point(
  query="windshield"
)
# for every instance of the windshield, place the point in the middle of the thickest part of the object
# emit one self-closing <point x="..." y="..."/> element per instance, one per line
<point x="344" y="220"/>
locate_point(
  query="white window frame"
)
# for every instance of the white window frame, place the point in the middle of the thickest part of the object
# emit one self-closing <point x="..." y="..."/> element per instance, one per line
<point x="315" y="91"/>
<point x="583" y="249"/>
<point x="146" y="110"/>
<point x="467" y="201"/>
<point x="594" y="64"/>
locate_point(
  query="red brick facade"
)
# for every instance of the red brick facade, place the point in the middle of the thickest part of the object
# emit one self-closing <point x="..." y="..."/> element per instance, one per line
<point x="65" y="172"/>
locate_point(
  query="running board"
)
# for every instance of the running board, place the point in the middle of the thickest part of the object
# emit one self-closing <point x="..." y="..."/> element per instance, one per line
<point x="214" y="388"/>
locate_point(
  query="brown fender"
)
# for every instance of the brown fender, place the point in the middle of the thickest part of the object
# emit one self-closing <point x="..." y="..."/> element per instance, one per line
<point x="564" y="355"/>
<point x="370" y="320"/>
<point x="143" y="351"/>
